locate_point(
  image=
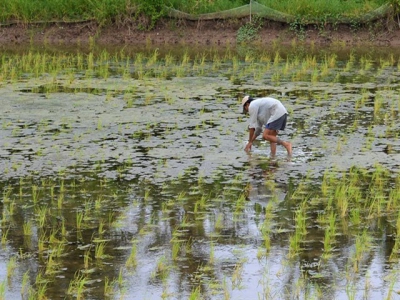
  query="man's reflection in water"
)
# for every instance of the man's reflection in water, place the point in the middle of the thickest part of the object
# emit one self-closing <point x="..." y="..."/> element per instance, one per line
<point x="262" y="186"/>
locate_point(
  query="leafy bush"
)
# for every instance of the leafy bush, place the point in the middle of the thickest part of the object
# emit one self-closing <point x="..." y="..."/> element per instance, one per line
<point x="249" y="31"/>
<point x="152" y="10"/>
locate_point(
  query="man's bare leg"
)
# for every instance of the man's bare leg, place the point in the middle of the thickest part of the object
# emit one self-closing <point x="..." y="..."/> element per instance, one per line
<point x="287" y="145"/>
<point x="271" y="136"/>
<point x="273" y="149"/>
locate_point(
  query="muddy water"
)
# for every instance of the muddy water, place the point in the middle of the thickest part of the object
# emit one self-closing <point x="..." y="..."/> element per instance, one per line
<point x="156" y="164"/>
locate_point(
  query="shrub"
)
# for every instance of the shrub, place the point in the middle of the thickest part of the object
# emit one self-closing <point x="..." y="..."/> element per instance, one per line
<point x="249" y="31"/>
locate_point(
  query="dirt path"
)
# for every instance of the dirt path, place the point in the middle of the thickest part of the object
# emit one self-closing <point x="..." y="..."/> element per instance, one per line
<point x="171" y="32"/>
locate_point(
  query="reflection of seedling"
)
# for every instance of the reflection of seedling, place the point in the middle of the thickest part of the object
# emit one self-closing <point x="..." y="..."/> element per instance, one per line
<point x="131" y="262"/>
<point x="211" y="259"/>
<point x="329" y="238"/>
<point x="362" y="244"/>
<point x="86" y="258"/>
<point x="219" y="223"/>
<point x="11" y="266"/>
<point x="237" y="274"/>
<point x="25" y="284"/>
<point x="162" y="269"/>
<point x="41" y="212"/>
<point x="60" y="201"/>
<point x="120" y="279"/>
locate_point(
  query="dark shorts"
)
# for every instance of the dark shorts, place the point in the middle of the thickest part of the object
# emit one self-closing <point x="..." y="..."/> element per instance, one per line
<point x="279" y="124"/>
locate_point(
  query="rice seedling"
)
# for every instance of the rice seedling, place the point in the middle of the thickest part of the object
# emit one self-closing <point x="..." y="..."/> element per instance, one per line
<point x="40" y="289"/>
<point x="176" y="249"/>
<point x="351" y="291"/>
<point x="99" y="250"/>
<point x="77" y="286"/>
<point x="57" y="246"/>
<point x="195" y="294"/>
<point x="341" y="199"/>
<point x="315" y="75"/>
<point x="378" y="102"/>
<point x="350" y="63"/>
<point x="4" y="235"/>
<point x="109" y="287"/>
<point x="87" y="258"/>
<point x="294" y="244"/>
<point x="393" y="199"/>
<point x="366" y="63"/>
<point x="80" y="215"/>
<point x="344" y="201"/>
<point x="42" y="214"/>
<point x="60" y="201"/>
<point x="52" y="265"/>
<point x="27" y="228"/>
<point x="120" y="280"/>
<point x="355" y="217"/>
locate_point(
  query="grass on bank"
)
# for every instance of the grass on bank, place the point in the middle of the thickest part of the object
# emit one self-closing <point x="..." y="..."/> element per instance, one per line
<point x="114" y="11"/>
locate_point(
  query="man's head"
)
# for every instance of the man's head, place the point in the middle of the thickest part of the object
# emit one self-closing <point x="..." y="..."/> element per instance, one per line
<point x="245" y="103"/>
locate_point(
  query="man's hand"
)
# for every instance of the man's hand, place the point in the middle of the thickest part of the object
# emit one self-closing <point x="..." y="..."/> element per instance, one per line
<point x="252" y="137"/>
<point x="248" y="147"/>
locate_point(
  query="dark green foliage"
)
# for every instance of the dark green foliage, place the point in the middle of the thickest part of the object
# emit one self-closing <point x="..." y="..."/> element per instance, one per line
<point x="249" y="31"/>
<point x="299" y="28"/>
<point x="147" y="12"/>
<point x="151" y="10"/>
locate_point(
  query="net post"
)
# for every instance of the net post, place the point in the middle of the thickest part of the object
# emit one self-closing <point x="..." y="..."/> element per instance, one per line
<point x="250" y="10"/>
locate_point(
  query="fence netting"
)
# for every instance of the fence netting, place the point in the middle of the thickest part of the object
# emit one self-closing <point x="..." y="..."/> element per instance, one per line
<point x="256" y="9"/>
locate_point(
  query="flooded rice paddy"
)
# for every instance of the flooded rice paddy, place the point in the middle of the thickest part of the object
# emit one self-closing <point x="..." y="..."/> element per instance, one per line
<point x="124" y="176"/>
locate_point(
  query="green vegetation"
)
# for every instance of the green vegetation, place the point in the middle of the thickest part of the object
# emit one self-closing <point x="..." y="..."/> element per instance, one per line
<point x="120" y="11"/>
<point x="103" y="11"/>
<point x="319" y="9"/>
<point x="249" y="31"/>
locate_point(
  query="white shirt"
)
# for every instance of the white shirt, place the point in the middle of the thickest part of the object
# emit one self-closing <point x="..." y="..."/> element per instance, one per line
<point x="263" y="111"/>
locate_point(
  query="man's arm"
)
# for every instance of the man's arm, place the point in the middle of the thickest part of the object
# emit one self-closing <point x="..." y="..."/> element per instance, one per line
<point x="252" y="137"/>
